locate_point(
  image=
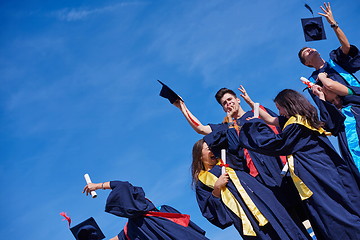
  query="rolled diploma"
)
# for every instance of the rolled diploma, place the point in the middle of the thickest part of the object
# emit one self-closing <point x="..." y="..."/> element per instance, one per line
<point x="256" y="110"/>
<point x="285" y="169"/>
<point x="306" y="81"/>
<point x="88" y="180"/>
<point x="223" y="158"/>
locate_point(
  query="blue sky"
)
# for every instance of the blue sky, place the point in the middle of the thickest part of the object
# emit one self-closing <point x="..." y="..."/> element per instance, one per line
<point x="79" y="95"/>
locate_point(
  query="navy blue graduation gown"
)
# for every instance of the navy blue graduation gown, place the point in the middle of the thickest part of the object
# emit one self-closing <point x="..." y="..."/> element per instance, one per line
<point x="351" y="103"/>
<point x="126" y="200"/>
<point x="334" y="123"/>
<point x="351" y="64"/>
<point x="280" y="225"/>
<point x="268" y="167"/>
<point x="332" y="214"/>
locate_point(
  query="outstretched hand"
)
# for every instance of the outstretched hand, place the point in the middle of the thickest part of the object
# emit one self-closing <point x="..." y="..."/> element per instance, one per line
<point x="327" y="13"/>
<point x="245" y="96"/>
<point x="91" y="187"/>
<point x="178" y="103"/>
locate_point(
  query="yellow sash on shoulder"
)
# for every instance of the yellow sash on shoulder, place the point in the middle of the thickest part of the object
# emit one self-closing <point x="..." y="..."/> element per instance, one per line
<point x="231" y="202"/>
<point x="303" y="190"/>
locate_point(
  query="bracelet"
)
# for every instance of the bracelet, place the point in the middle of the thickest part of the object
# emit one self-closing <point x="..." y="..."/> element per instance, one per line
<point x="335" y="25"/>
<point x="102" y="186"/>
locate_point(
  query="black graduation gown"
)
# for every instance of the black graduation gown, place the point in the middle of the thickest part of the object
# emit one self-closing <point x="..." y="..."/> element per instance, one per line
<point x="280" y="225"/>
<point x="334" y="123"/>
<point x="332" y="215"/>
<point x="126" y="200"/>
<point x="351" y="103"/>
<point x="268" y="167"/>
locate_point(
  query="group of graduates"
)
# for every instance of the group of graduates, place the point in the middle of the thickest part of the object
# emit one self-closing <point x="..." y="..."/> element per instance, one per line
<point x="280" y="170"/>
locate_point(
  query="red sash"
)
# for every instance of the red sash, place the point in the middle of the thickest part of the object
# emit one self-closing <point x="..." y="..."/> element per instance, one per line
<point x="275" y="130"/>
<point x="178" y="218"/>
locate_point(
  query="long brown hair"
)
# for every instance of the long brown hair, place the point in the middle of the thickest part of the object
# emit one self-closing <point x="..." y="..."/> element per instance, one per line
<point x="295" y="103"/>
<point x="197" y="164"/>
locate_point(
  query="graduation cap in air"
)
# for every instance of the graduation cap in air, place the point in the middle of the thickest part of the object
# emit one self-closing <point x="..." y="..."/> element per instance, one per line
<point x="168" y="93"/>
<point x="87" y="230"/>
<point x="313" y="27"/>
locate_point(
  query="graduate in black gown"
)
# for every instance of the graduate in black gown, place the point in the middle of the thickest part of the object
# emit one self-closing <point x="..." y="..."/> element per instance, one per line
<point x="336" y="75"/>
<point x="146" y="222"/>
<point x="266" y="169"/>
<point x="236" y="198"/>
<point x="336" y="122"/>
<point x="314" y="164"/>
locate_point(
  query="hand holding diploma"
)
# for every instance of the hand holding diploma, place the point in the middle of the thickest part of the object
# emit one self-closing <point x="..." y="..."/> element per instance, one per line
<point x="223" y="158"/>
<point x="306" y="82"/>
<point x="90" y="187"/>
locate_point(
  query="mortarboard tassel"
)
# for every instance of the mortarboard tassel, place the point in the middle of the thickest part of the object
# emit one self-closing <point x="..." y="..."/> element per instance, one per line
<point x="308" y="7"/>
<point x="66" y="217"/>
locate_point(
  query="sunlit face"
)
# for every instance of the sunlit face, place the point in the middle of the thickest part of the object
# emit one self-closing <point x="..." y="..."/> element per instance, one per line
<point x="308" y="54"/>
<point x="229" y="102"/>
<point x="207" y="157"/>
<point x="282" y="110"/>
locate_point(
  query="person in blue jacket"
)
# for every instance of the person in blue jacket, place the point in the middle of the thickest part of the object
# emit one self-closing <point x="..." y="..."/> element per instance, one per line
<point x="146" y="222"/>
<point x="315" y="167"/>
<point x="337" y="77"/>
<point x="236" y="198"/>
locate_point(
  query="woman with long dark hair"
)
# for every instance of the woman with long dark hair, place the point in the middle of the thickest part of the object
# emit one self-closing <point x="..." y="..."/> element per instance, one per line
<point x="236" y="198"/>
<point x="314" y="165"/>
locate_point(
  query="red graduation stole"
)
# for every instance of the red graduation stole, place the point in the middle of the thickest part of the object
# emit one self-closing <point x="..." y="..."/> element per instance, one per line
<point x="249" y="162"/>
<point x="178" y="218"/>
<point x="275" y="130"/>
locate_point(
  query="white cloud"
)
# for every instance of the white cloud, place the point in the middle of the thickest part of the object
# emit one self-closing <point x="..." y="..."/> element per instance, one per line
<point x="76" y="14"/>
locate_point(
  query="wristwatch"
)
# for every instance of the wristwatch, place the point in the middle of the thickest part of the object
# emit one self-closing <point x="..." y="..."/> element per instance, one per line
<point x="335" y="25"/>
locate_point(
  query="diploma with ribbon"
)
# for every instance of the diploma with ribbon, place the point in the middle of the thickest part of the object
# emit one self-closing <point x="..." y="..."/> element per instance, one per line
<point x="307" y="82"/>
<point x="223" y="158"/>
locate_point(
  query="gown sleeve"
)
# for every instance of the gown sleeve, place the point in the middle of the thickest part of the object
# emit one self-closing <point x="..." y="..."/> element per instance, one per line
<point x="212" y="208"/>
<point x="350" y="62"/>
<point x="331" y="116"/>
<point x="216" y="140"/>
<point x="126" y="200"/>
<point x="255" y="135"/>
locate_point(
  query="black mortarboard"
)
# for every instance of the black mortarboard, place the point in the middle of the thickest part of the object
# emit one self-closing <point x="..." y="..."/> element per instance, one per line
<point x="166" y="92"/>
<point x="87" y="230"/>
<point x="313" y="29"/>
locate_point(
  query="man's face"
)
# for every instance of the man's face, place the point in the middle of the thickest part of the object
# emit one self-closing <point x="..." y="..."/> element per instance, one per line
<point x="230" y="103"/>
<point x="309" y="54"/>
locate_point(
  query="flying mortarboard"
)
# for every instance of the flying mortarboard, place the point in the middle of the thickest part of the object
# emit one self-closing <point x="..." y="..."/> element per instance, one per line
<point x="87" y="230"/>
<point x="313" y="27"/>
<point x="168" y="93"/>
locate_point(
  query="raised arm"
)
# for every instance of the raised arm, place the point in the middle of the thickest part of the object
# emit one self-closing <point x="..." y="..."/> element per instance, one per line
<point x="327" y="13"/>
<point x="192" y="120"/>
<point x="263" y="114"/>
<point x="95" y="186"/>
<point x="333" y="86"/>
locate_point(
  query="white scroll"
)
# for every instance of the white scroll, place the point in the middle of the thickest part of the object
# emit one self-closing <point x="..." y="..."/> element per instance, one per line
<point x="285" y="169"/>
<point x="88" y="180"/>
<point x="223" y="158"/>
<point x="256" y="110"/>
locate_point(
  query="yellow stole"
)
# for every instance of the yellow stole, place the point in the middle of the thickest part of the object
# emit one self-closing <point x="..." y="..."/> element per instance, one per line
<point x="231" y="202"/>
<point x="303" y="190"/>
